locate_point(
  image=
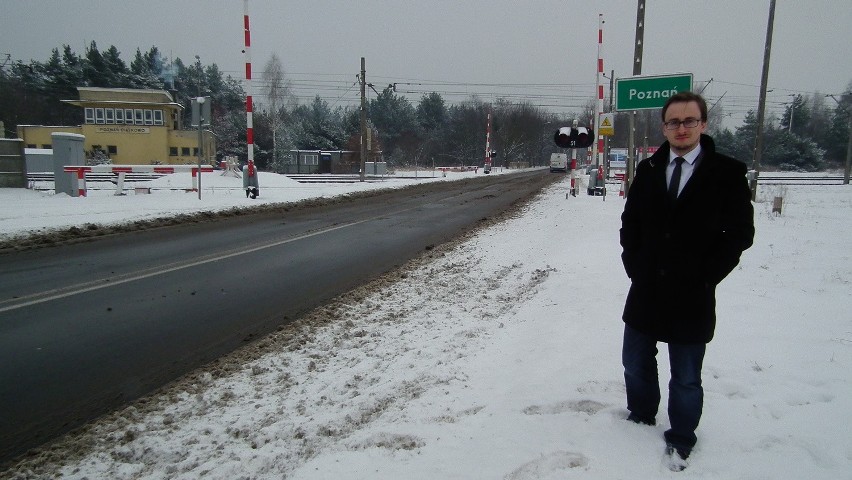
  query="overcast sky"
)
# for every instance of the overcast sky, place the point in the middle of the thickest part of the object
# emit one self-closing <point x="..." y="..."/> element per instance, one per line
<point x="542" y="51"/>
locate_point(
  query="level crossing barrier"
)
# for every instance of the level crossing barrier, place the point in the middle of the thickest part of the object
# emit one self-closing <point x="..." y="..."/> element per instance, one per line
<point x="120" y="171"/>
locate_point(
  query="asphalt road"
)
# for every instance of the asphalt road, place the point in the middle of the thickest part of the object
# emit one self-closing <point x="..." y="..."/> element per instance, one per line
<point x="88" y="326"/>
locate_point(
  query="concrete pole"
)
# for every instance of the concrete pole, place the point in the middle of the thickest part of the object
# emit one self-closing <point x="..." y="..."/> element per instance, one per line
<point x="848" y="166"/>
<point x="848" y="153"/>
<point x="363" y="118"/>
<point x="761" y="108"/>
<point x="637" y="70"/>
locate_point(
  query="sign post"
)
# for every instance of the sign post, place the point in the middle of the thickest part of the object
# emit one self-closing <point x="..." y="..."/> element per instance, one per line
<point x="200" y="117"/>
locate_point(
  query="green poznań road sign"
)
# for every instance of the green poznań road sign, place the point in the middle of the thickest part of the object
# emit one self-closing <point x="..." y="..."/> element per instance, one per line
<point x="642" y="93"/>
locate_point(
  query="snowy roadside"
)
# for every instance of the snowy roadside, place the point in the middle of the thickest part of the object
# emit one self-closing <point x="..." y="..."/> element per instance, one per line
<point x="497" y="356"/>
<point x="39" y="212"/>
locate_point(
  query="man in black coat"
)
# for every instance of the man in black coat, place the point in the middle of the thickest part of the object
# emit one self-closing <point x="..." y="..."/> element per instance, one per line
<point x="687" y="219"/>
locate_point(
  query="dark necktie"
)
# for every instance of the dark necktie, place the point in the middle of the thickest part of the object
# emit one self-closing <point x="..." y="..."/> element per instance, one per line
<point x="675" y="182"/>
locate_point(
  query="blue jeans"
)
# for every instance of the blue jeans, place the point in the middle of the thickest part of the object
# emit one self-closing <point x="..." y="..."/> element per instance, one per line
<point x="686" y="396"/>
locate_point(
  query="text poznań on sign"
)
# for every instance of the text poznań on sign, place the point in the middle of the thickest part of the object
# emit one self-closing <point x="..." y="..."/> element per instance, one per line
<point x="641" y="93"/>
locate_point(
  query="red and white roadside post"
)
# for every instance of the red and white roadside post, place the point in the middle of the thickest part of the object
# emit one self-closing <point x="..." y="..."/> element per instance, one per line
<point x="598" y="145"/>
<point x="250" y="182"/>
<point x="573" y="175"/>
<point x="80" y="182"/>
<point x="196" y="176"/>
<point x="486" y="166"/>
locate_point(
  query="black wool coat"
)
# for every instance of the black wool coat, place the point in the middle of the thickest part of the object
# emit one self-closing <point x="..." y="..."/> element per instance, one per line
<point x="675" y="253"/>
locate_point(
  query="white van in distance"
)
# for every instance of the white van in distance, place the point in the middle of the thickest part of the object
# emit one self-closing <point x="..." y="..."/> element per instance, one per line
<point x="558" y="162"/>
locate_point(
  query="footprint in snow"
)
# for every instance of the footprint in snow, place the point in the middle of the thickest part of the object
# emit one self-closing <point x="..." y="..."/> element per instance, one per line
<point x="551" y="465"/>
<point x="589" y="407"/>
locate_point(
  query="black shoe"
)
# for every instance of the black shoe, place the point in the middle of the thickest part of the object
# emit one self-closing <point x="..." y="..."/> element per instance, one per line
<point x="641" y="420"/>
<point x="676" y="457"/>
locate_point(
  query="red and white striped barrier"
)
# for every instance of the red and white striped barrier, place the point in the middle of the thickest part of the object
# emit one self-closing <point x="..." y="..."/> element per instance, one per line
<point x="250" y="180"/>
<point x="487" y="164"/>
<point x="120" y="170"/>
<point x="598" y="145"/>
<point x="620" y="177"/>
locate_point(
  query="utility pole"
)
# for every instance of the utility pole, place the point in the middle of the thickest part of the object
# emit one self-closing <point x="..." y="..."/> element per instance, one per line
<point x="363" y="119"/>
<point x="792" y="111"/>
<point x="758" y="147"/>
<point x="637" y="70"/>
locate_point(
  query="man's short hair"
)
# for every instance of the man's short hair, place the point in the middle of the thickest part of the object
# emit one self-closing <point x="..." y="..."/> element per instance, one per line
<point x="685" y="97"/>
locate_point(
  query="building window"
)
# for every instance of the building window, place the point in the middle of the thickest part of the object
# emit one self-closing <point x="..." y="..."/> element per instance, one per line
<point x="90" y="115"/>
<point x="173" y="151"/>
<point x="311" y="159"/>
<point x="128" y="116"/>
<point x="110" y="116"/>
<point x="99" y="115"/>
<point x="184" y="151"/>
<point x="112" y="149"/>
<point x="119" y="115"/>
<point x="138" y="117"/>
<point x="149" y="117"/>
<point x="194" y="151"/>
<point x="31" y="145"/>
<point x="47" y="146"/>
<point x="158" y="117"/>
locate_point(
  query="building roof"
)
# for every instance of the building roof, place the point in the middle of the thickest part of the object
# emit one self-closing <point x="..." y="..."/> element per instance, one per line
<point x="137" y="96"/>
<point x="95" y="94"/>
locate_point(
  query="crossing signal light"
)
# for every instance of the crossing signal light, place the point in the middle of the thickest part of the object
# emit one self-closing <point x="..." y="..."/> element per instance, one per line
<point x="574" y="137"/>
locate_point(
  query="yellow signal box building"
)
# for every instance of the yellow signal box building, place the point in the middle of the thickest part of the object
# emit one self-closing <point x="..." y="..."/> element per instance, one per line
<point x="130" y="126"/>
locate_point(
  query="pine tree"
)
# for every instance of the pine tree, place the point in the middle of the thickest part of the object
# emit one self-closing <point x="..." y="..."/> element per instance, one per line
<point x="143" y="72"/>
<point x="119" y="75"/>
<point x="746" y="137"/>
<point x="95" y="71"/>
<point x="396" y="121"/>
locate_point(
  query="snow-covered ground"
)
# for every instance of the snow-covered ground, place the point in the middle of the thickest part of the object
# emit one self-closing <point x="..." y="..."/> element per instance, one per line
<point x="497" y="357"/>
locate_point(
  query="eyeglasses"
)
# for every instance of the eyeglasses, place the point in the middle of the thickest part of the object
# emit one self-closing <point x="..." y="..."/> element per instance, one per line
<point x="688" y="123"/>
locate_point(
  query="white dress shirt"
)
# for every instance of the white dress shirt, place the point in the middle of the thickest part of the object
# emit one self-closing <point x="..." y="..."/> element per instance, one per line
<point x="686" y="168"/>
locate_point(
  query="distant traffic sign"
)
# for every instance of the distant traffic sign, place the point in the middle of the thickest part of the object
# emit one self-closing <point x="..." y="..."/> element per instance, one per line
<point x="607" y="127"/>
<point x="642" y="93"/>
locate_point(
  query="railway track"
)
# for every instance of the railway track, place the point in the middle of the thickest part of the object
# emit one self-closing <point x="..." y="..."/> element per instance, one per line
<point x="800" y="180"/>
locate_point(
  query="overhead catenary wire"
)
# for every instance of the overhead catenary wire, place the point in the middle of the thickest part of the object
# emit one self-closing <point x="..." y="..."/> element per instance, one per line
<point x="560" y="98"/>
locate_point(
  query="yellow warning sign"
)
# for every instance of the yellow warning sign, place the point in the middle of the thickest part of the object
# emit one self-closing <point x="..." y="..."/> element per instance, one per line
<point x="607" y="128"/>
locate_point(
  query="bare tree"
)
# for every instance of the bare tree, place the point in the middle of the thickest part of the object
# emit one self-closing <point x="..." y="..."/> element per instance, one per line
<point x="277" y="89"/>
